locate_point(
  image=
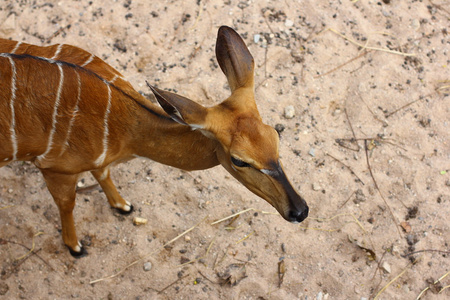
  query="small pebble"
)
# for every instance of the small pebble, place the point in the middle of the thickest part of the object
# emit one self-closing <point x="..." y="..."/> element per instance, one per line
<point x="288" y="23"/>
<point x="9" y="25"/>
<point x="386" y="267"/>
<point x="311" y="152"/>
<point x="319" y="296"/>
<point x="316" y="187"/>
<point x="139" y="221"/>
<point x="256" y="38"/>
<point x="147" y="266"/>
<point x="279" y="128"/>
<point x="360" y="197"/>
<point x="289" y="112"/>
<point x="415" y="24"/>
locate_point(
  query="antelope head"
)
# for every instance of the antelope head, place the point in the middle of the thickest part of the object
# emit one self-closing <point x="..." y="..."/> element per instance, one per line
<point x="246" y="147"/>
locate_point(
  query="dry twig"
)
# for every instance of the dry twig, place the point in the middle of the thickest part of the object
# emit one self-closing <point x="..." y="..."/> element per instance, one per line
<point x="31" y="252"/>
<point x="342" y="65"/>
<point x="348" y="167"/>
<point x="378" y="189"/>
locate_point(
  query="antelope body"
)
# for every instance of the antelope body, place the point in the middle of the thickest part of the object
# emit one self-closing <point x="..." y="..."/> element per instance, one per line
<point x="69" y="112"/>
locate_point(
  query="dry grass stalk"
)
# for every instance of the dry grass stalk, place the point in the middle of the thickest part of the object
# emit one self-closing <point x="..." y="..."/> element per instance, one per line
<point x="232" y="216"/>
<point x="30" y="251"/>
<point x="245" y="237"/>
<point x="368" y="47"/>
<point x="436" y="282"/>
<point x="394" y="279"/>
<point x="8" y="206"/>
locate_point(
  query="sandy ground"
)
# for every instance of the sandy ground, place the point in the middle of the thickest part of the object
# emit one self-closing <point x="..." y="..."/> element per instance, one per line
<point x="379" y="230"/>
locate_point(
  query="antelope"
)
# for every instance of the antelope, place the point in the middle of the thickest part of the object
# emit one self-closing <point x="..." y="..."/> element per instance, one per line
<point x="68" y="112"/>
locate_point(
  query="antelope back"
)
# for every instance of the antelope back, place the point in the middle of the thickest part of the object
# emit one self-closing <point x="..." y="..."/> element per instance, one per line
<point x="61" y="106"/>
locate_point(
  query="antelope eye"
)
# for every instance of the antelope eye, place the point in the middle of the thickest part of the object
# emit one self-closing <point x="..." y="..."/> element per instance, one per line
<point x="239" y="163"/>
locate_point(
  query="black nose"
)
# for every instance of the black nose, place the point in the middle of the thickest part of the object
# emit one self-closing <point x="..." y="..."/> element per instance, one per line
<point x="298" y="216"/>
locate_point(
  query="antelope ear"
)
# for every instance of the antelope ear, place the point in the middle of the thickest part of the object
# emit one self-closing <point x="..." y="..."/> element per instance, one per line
<point x="234" y="58"/>
<point x="180" y="109"/>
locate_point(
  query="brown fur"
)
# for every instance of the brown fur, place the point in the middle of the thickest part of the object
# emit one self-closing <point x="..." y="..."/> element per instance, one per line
<point x="184" y="135"/>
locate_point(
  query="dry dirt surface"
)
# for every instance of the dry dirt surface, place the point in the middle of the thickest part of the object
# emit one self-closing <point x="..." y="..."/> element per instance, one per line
<point x="359" y="91"/>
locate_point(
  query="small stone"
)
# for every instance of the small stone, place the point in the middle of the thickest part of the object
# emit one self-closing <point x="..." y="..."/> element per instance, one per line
<point x="139" y="221"/>
<point x="360" y="197"/>
<point x="336" y="112"/>
<point x="4" y="288"/>
<point x="289" y="112"/>
<point x="187" y="238"/>
<point x="147" y="266"/>
<point x="319" y="296"/>
<point x="297" y="55"/>
<point x="256" y="38"/>
<point x="411" y="239"/>
<point x="386" y="267"/>
<point x="9" y="26"/>
<point x="288" y="23"/>
<point x="395" y="250"/>
<point x="311" y="152"/>
<point x="316" y="187"/>
<point x="279" y="128"/>
<point x="415" y="24"/>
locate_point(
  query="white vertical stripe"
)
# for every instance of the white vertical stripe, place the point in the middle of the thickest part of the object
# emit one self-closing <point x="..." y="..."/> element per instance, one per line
<point x="74" y="114"/>
<point x="58" y="50"/>
<point x="16" y="47"/>
<point x="101" y="159"/>
<point x="12" y="129"/>
<point x="88" y="61"/>
<point x="55" y="113"/>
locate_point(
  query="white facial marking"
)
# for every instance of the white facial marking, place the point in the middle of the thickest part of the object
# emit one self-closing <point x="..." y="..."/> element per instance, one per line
<point x="267" y="172"/>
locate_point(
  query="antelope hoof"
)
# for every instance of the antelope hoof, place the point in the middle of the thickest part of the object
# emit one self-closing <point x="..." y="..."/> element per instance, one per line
<point x="125" y="212"/>
<point x="79" y="254"/>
